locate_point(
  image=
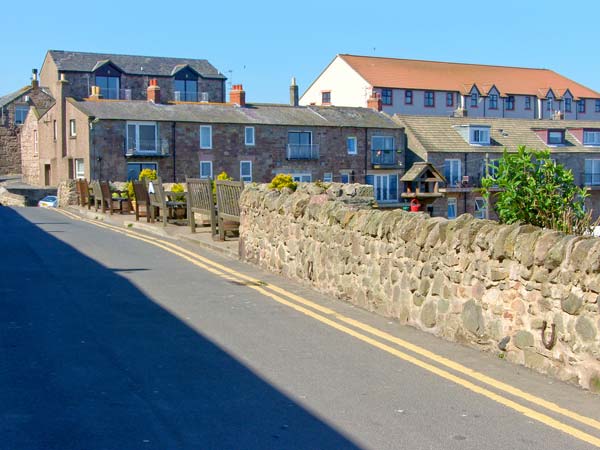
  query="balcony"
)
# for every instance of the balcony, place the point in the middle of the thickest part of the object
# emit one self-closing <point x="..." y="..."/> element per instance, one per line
<point x="148" y="148"/>
<point x="179" y="96"/>
<point x="384" y="158"/>
<point x="302" y="151"/>
<point x="114" y="94"/>
<point x="591" y="180"/>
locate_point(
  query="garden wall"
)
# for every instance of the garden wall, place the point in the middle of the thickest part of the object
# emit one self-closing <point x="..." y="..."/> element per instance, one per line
<point x="492" y="286"/>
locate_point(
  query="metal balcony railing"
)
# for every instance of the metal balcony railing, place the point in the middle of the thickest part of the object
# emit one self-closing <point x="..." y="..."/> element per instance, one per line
<point x="383" y="157"/>
<point x="115" y="94"/>
<point x="147" y="147"/>
<point x="180" y="96"/>
<point x="591" y="178"/>
<point x="303" y="151"/>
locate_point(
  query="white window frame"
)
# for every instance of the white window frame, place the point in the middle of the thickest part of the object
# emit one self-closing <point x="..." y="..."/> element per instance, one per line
<point x="249" y="142"/>
<point x="383" y="181"/>
<point x="137" y="149"/>
<point x="452" y="201"/>
<point x="154" y="163"/>
<point x="594" y="174"/>
<point x="79" y="174"/>
<point x="328" y="177"/>
<point x="23" y="111"/>
<point x="35" y="142"/>
<point x="479" y="136"/>
<point x="245" y="178"/>
<point x="454" y="165"/>
<point x="210" y="164"/>
<point x="480" y="208"/>
<point x="354" y="150"/>
<point x="209" y="128"/>
<point x="302" y="177"/>
<point x="595" y="141"/>
<point x="562" y="138"/>
<point x="72" y="128"/>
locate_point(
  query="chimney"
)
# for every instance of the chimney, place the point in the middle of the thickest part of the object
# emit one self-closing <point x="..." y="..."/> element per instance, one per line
<point x="34" y="79"/>
<point x="374" y="102"/>
<point x="237" y="95"/>
<point x="96" y="93"/>
<point x="293" y="93"/>
<point x="154" y="91"/>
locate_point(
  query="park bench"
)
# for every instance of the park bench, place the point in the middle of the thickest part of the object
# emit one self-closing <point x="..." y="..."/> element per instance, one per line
<point x="97" y="196"/>
<point x="201" y="201"/>
<point x="84" y="191"/>
<point x="228" y="205"/>
<point x="141" y="198"/>
<point x="158" y="201"/>
<point x="108" y="202"/>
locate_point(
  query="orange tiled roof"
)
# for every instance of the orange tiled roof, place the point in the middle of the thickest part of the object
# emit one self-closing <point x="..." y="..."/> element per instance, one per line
<point x="444" y="76"/>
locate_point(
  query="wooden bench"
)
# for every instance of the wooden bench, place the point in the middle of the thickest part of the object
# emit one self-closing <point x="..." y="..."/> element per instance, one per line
<point x="201" y="200"/>
<point x="158" y="201"/>
<point x="83" y="190"/>
<point x="228" y="205"/>
<point x="141" y="198"/>
<point x="97" y="196"/>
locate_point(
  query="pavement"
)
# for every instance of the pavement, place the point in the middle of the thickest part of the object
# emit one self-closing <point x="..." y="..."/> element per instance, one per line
<point x="113" y="337"/>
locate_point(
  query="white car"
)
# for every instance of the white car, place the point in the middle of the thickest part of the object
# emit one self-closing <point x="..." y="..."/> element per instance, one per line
<point x="50" y="201"/>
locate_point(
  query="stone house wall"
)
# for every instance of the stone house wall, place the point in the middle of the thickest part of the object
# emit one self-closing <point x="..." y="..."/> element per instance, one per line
<point x="495" y="287"/>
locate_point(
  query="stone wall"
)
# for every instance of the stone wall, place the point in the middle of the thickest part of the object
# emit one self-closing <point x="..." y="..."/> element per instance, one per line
<point x="67" y="193"/>
<point x="9" y="199"/>
<point x="474" y="281"/>
<point x="10" y="152"/>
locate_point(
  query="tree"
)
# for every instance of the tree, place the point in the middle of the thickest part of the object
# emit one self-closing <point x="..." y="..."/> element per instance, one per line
<point x="533" y="189"/>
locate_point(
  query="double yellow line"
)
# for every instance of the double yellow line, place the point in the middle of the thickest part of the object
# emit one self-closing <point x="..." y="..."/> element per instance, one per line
<point x="367" y="334"/>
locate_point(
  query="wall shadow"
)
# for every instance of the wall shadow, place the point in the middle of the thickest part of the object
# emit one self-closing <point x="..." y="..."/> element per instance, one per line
<point x="88" y="361"/>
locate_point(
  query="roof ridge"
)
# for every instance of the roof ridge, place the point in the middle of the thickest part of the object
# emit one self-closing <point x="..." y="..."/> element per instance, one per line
<point x="124" y="54"/>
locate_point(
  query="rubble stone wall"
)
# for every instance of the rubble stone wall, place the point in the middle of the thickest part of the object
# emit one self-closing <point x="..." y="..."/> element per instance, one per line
<point x="501" y="288"/>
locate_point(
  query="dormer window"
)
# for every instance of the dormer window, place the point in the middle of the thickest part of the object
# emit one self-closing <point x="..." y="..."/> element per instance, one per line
<point x="474" y="100"/>
<point x="108" y="80"/>
<point x="549" y="104"/>
<point x="591" y="137"/>
<point x="510" y="103"/>
<point x="186" y="86"/>
<point x="480" y="136"/>
<point x="556" y="137"/>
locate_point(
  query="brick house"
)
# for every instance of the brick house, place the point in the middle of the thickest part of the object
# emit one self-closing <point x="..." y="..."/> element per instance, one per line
<point x="14" y="109"/>
<point x="462" y="148"/>
<point x="116" y="139"/>
<point x="414" y="87"/>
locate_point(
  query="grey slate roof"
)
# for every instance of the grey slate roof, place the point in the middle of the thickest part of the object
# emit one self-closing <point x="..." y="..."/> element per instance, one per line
<point x="9" y="98"/>
<point x="439" y="134"/>
<point x="134" y="65"/>
<point x="227" y="113"/>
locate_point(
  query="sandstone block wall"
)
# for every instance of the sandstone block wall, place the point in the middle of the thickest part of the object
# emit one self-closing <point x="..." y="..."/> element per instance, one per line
<point x="496" y="287"/>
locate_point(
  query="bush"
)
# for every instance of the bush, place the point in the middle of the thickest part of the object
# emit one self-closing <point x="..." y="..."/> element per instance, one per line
<point x="177" y="187"/>
<point x="536" y="190"/>
<point x="283" y="181"/>
<point x="130" y="191"/>
<point x="148" y="174"/>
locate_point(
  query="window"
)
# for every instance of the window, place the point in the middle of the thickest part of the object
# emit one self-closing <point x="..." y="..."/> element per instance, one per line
<point x="55" y="130"/>
<point x="480" y="136"/>
<point x="449" y="99"/>
<point x="20" y="114"/>
<point x="528" y="102"/>
<point x="384" y="186"/>
<point x="249" y="136"/>
<point x="493" y="101"/>
<point x="480" y="208"/>
<point x="351" y="145"/>
<point x="452" y="207"/>
<point x="581" y="106"/>
<point x="134" y="169"/>
<point x="141" y="138"/>
<point x="206" y="136"/>
<point x="567" y="105"/>
<point x="556" y="137"/>
<point x="386" y="96"/>
<point x="79" y="169"/>
<point x="452" y="172"/>
<point x="35" y="142"/>
<point x="510" y="103"/>
<point x="474" y="100"/>
<point x="490" y="168"/>
<point x="408" y="97"/>
<point x="186" y="87"/>
<point x="72" y="128"/>
<point x="549" y="104"/>
<point x="429" y="99"/>
<point x="326" y="97"/>
<point x="592" y="172"/>
<point x="591" y="137"/>
<point x="206" y="170"/>
<point x="109" y="87"/>
<point x="597" y="107"/>
<point x="302" y="177"/>
<point x="328" y="177"/>
<point x="246" y="171"/>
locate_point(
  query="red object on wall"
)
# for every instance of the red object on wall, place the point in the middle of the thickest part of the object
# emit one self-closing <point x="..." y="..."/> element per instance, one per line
<point x="414" y="205"/>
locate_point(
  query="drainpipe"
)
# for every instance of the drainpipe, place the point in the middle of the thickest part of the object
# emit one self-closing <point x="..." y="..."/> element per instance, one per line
<point x="174" y="153"/>
<point x="484" y="99"/>
<point x="464" y="193"/>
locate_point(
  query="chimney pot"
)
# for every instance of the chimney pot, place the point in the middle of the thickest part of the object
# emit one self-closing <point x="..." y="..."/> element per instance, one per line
<point x="374" y="102"/>
<point x="293" y="93"/>
<point x="237" y="95"/>
<point x="34" y="79"/>
<point x="153" y="91"/>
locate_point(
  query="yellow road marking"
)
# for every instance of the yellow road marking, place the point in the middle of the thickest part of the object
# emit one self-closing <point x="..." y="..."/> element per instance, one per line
<point x="257" y="285"/>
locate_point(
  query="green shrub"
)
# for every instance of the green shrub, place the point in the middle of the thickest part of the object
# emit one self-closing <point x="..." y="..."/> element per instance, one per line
<point x="130" y="191"/>
<point x="283" y="181"/>
<point x="177" y="187"/>
<point x="148" y="174"/>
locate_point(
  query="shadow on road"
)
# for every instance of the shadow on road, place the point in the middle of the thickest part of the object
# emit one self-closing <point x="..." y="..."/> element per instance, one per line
<point x="88" y="361"/>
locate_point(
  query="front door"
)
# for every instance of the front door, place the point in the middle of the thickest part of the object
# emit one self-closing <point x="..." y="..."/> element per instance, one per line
<point x="46" y="174"/>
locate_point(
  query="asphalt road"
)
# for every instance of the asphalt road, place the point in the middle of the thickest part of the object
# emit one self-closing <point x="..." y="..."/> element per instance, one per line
<point x="109" y="342"/>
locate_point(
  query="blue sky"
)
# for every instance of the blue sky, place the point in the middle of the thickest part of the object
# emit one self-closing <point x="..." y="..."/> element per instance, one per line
<point x="263" y="44"/>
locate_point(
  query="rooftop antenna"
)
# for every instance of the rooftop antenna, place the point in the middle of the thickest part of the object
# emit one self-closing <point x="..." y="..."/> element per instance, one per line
<point x="229" y="82"/>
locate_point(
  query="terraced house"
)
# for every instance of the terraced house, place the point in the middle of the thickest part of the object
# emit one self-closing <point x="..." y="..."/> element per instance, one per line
<point x="102" y="126"/>
<point x="414" y="87"/>
<point x="466" y="149"/>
